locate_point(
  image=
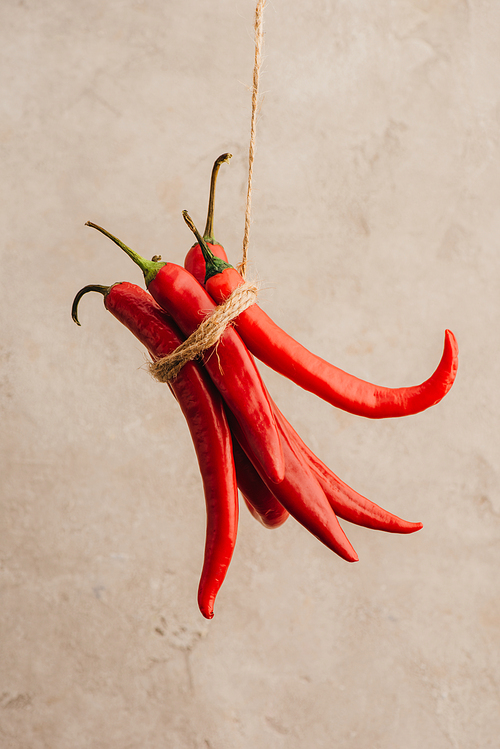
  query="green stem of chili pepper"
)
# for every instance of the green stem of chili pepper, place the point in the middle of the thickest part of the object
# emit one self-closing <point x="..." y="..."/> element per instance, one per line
<point x="194" y="261"/>
<point x="149" y="267"/>
<point x="91" y="287"/>
<point x="208" y="234"/>
<point x="214" y="265"/>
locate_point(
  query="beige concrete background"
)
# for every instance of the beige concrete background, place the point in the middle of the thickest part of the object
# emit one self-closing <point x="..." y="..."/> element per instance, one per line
<point x="376" y="225"/>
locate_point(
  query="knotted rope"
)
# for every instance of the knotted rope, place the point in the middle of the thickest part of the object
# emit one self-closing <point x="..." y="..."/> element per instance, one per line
<point x="206" y="335"/>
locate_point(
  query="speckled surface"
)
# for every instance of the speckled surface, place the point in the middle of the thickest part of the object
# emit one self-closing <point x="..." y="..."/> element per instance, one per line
<point x="376" y="225"/>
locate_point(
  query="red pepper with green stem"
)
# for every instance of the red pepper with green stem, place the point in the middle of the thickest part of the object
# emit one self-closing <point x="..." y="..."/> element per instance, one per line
<point x="155" y="328"/>
<point x="195" y="261"/>
<point x="205" y="416"/>
<point x="230" y="366"/>
<point x="273" y="346"/>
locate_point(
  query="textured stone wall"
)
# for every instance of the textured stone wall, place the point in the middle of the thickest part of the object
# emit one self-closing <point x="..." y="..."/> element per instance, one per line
<point x="376" y="226"/>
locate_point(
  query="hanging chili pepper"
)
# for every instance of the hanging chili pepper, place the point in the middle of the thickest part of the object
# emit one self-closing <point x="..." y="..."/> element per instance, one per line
<point x="244" y="393"/>
<point x="301" y="494"/>
<point x="273" y="346"/>
<point x="345" y="502"/>
<point x="205" y="416"/>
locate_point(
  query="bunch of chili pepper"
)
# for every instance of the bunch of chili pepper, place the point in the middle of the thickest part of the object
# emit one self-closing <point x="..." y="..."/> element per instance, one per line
<point x="242" y="440"/>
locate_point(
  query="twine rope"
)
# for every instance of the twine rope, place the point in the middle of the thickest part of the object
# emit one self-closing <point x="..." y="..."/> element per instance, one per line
<point x="206" y="335"/>
<point x="259" y="36"/>
<point x="212" y="328"/>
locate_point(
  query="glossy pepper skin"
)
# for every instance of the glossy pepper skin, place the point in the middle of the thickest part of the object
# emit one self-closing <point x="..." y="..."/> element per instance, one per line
<point x="301" y="494"/>
<point x="205" y="416"/>
<point x="194" y="258"/>
<point x="345" y="501"/>
<point x="273" y="346"/>
<point x="229" y="364"/>
<point x="230" y="367"/>
<point x="258" y="498"/>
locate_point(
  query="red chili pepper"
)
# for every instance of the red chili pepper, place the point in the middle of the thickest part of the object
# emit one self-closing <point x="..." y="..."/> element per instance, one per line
<point x="301" y="494"/>
<point x="230" y="366"/>
<point x="346" y="502"/>
<point x="272" y="345"/>
<point x="205" y="415"/>
<point x="259" y="499"/>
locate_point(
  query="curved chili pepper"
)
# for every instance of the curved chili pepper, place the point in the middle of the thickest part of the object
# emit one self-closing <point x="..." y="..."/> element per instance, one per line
<point x="195" y="262"/>
<point x="258" y="498"/>
<point x="205" y="416"/>
<point x="273" y="346"/>
<point x="301" y="494"/>
<point x="346" y="502"/>
<point x="243" y="391"/>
